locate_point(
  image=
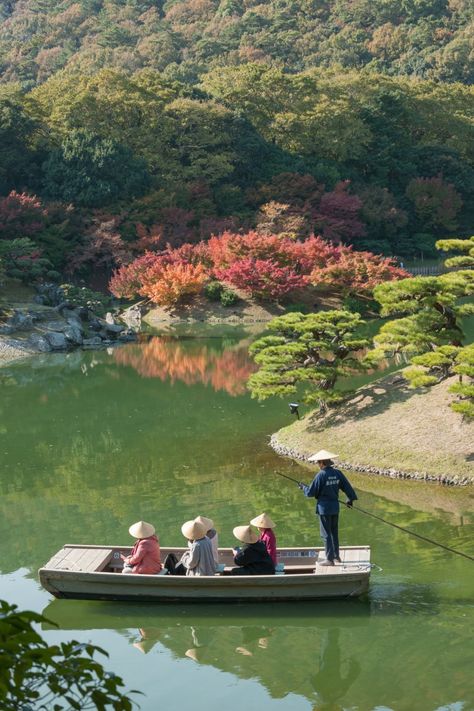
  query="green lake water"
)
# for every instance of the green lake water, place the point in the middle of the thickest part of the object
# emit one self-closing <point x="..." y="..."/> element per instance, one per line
<point x="164" y="431"/>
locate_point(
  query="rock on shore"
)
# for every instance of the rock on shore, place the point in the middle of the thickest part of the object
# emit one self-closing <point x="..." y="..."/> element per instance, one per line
<point x="449" y="480"/>
<point x="38" y="328"/>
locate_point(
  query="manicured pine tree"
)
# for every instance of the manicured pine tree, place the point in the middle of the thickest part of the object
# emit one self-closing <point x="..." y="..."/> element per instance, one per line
<point x="464" y="366"/>
<point x="429" y="330"/>
<point x="429" y="313"/>
<point x="312" y="351"/>
<point x="465" y="246"/>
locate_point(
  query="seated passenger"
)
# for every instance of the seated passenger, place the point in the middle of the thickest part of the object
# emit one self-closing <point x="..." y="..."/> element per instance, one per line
<point x="211" y="533"/>
<point x="265" y="525"/>
<point x="253" y="558"/>
<point x="199" y="558"/>
<point x="145" y="555"/>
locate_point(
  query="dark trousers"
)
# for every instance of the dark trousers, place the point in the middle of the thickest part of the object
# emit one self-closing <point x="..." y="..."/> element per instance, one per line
<point x="328" y="526"/>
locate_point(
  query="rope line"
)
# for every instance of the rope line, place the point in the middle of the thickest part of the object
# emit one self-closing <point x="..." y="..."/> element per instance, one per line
<point x="394" y="525"/>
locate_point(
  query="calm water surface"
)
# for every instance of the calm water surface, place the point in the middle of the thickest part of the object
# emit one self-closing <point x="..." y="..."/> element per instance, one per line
<point x="163" y="431"/>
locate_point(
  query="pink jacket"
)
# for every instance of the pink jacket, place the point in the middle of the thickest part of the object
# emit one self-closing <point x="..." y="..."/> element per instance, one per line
<point x="268" y="537"/>
<point x="145" y="556"/>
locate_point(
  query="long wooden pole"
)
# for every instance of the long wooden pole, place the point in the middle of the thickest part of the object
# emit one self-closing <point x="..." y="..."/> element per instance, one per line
<point x="394" y="525"/>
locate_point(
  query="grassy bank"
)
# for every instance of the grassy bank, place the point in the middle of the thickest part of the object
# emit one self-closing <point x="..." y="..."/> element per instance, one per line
<point x="388" y="426"/>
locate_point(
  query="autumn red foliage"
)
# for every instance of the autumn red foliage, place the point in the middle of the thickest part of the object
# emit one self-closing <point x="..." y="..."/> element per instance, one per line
<point x="266" y="267"/>
<point x="356" y="272"/>
<point x="337" y="217"/>
<point x="263" y="279"/>
<point x="21" y="215"/>
<point x="126" y="282"/>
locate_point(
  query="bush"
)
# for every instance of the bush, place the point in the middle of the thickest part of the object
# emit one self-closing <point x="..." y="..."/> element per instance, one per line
<point x="35" y="675"/>
<point x="262" y="278"/>
<point x="82" y="296"/>
<point x="168" y="284"/>
<point x="228" y="297"/>
<point x="213" y="290"/>
<point x="297" y="308"/>
<point x="22" y="259"/>
<point x="361" y="306"/>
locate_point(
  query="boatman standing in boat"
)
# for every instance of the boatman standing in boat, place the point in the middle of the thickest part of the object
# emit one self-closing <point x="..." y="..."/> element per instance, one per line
<point x="325" y="489"/>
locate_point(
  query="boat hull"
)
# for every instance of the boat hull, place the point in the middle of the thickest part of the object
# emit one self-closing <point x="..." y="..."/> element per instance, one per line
<point x="300" y="582"/>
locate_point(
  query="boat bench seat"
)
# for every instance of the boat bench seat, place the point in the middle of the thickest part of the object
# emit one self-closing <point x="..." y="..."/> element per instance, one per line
<point x="116" y="564"/>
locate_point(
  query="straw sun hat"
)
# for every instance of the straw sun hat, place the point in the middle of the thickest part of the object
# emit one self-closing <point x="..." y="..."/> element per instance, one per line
<point x="263" y="521"/>
<point x="245" y="534"/>
<point x="193" y="530"/>
<point x="322" y="455"/>
<point x="207" y="522"/>
<point x="141" y="530"/>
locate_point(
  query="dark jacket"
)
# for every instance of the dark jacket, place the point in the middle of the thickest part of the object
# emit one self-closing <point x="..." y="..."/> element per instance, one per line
<point x="325" y="488"/>
<point x="253" y="559"/>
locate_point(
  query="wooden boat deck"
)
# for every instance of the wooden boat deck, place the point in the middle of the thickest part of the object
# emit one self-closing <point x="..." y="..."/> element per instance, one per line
<point x="94" y="559"/>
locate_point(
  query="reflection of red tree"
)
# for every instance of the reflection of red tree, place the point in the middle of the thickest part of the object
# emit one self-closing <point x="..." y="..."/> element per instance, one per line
<point x="171" y="360"/>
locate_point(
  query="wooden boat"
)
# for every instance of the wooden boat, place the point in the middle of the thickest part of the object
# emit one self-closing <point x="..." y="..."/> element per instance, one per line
<point x="93" y="573"/>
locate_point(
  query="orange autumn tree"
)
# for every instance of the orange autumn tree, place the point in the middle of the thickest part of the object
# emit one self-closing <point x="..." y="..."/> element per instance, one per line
<point x="356" y="273"/>
<point x="168" y="284"/>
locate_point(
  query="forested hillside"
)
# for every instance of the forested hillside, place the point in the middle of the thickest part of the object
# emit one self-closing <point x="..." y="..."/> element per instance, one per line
<point x="127" y="125"/>
<point x="185" y="38"/>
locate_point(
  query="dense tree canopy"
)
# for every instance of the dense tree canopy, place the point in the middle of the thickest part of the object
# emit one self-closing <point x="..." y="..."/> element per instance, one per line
<point x="422" y="38"/>
<point x="383" y="163"/>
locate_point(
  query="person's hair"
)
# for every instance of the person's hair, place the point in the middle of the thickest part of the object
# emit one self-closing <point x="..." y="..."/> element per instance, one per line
<point x="326" y="462"/>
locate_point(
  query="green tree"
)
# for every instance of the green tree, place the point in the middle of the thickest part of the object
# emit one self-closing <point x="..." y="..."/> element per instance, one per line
<point x="464" y="367"/>
<point x="465" y="246"/>
<point x="432" y="333"/>
<point x="429" y="312"/>
<point x="89" y="170"/>
<point x="312" y="350"/>
<point x="36" y="675"/>
<point x="22" y="259"/>
<point x="18" y="158"/>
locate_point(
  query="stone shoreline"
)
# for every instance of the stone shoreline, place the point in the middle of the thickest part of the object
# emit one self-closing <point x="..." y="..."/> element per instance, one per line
<point x="444" y="479"/>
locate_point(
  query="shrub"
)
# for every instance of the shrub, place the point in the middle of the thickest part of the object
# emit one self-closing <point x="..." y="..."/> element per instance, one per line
<point x="228" y="297"/>
<point x="82" y="296"/>
<point x="36" y="675"/>
<point x="297" y="308"/>
<point x="22" y="259"/>
<point x="213" y="290"/>
<point x="169" y="284"/>
<point x="262" y="278"/>
<point x="357" y="272"/>
<point x="126" y="282"/>
<point x="21" y="215"/>
<point x="361" y="306"/>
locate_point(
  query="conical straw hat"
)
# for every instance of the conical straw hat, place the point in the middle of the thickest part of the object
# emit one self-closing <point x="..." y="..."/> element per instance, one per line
<point x="193" y="530"/>
<point x="245" y="534"/>
<point x="263" y="521"/>
<point x="207" y="522"/>
<point x="322" y="455"/>
<point x="141" y="530"/>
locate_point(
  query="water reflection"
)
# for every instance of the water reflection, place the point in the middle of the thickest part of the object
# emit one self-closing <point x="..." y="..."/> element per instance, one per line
<point x="335" y="655"/>
<point x="334" y="674"/>
<point x="191" y="362"/>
